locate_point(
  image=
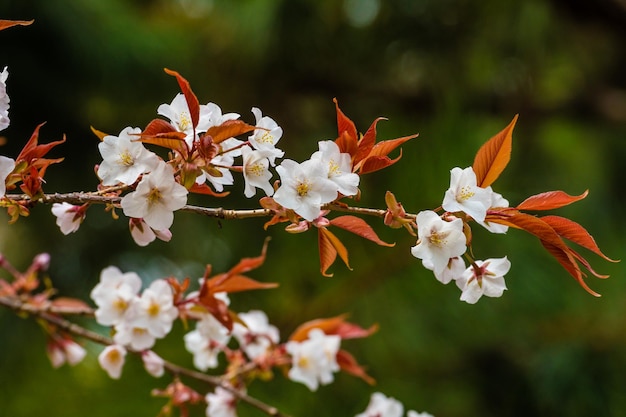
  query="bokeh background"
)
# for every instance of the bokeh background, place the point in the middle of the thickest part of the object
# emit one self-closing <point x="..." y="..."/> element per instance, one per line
<point x="456" y="71"/>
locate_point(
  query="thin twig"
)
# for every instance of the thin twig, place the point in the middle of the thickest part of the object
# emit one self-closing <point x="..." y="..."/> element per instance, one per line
<point x="50" y="315"/>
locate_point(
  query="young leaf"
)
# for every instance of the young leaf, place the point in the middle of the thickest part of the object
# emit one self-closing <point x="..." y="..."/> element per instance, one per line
<point x="348" y="364"/>
<point x="550" y="200"/>
<point x="99" y="134"/>
<point x="493" y="156"/>
<point x="344" y="124"/>
<point x="576" y="233"/>
<point x="238" y="283"/>
<point x="190" y="97"/>
<point x="367" y="142"/>
<point x="339" y="248"/>
<point x="5" y="24"/>
<point x="359" y="227"/>
<point x="327" y="251"/>
<point x="161" y="133"/>
<point x="229" y="129"/>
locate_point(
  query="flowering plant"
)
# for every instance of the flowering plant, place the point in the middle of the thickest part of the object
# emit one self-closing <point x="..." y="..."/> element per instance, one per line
<point x="206" y="152"/>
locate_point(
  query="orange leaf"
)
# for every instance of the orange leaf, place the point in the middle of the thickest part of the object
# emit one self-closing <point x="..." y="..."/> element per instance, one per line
<point x="238" y="283"/>
<point x="376" y="163"/>
<point x="5" y="24"/>
<point x="493" y="156"/>
<point x="32" y="150"/>
<point x="359" y="227"/>
<point x="327" y="251"/>
<point x="550" y="200"/>
<point x="99" y="134"/>
<point x="327" y="325"/>
<point x="229" y="129"/>
<point x="347" y="363"/>
<point x="248" y="264"/>
<point x="344" y="124"/>
<point x="385" y="147"/>
<point x="336" y="244"/>
<point x="567" y="260"/>
<point x="206" y="190"/>
<point x="367" y="142"/>
<point x="347" y="144"/>
<point x="161" y="133"/>
<point x="576" y="233"/>
<point x="192" y="101"/>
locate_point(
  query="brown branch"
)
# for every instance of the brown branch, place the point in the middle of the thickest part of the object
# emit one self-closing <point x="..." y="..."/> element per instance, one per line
<point x="50" y="314"/>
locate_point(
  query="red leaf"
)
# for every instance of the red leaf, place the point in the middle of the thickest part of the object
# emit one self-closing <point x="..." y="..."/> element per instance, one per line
<point x="161" y="133"/>
<point x="576" y="233"/>
<point x="192" y="101"/>
<point x="334" y="325"/>
<point x="344" y="124"/>
<point x="206" y="190"/>
<point x="248" y="264"/>
<point x="229" y="129"/>
<point x="376" y="163"/>
<point x="367" y="142"/>
<point x="327" y="251"/>
<point x="493" y="156"/>
<point x="550" y="200"/>
<point x="567" y="260"/>
<point x="347" y="363"/>
<point x="99" y="134"/>
<point x="347" y="144"/>
<point x="385" y="147"/>
<point x="336" y="244"/>
<point x="238" y="283"/>
<point x="33" y="151"/>
<point x="359" y="227"/>
<point x="5" y="24"/>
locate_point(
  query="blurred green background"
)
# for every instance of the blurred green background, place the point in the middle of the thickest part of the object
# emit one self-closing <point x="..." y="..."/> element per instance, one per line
<point x="456" y="72"/>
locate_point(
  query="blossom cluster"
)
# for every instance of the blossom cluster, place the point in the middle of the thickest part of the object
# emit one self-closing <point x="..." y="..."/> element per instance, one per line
<point x="442" y="239"/>
<point x="382" y="406"/>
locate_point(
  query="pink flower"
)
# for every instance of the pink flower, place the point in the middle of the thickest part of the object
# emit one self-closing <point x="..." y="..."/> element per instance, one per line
<point x="69" y="217"/>
<point x="483" y="278"/>
<point x="222" y="403"/>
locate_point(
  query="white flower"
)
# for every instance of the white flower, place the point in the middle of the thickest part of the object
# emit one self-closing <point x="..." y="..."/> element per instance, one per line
<point x="496" y="201"/>
<point x="6" y="167"/>
<point x="112" y="359"/>
<point x="222" y="403"/>
<point x="143" y="234"/>
<point x="211" y="115"/>
<point x="412" y="413"/>
<point x="265" y="138"/>
<point x="156" y="198"/>
<point x="304" y="187"/>
<point x="339" y="167"/>
<point x="65" y="350"/>
<point x="464" y="195"/>
<point x="206" y="342"/>
<point x="452" y="271"/>
<point x="315" y="359"/>
<point x="114" y="295"/>
<point x="255" y="172"/>
<point x="180" y="117"/>
<point x="137" y="338"/>
<point x="124" y="158"/>
<point x="225" y="177"/>
<point x="487" y="279"/>
<point x="153" y="363"/>
<point x="4" y="101"/>
<point x="69" y="217"/>
<point x="382" y="406"/>
<point x="155" y="310"/>
<point x="438" y="240"/>
<point x="257" y="335"/>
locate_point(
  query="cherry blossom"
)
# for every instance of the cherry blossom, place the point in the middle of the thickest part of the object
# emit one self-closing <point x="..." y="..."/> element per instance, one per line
<point x="179" y="116"/>
<point x="156" y="198"/>
<point x="304" y="187"/>
<point x="153" y="363"/>
<point x="155" y="310"/>
<point x="483" y="278"/>
<point x="255" y="172"/>
<point x="135" y="337"/>
<point x="114" y="295"/>
<point x="124" y="158"/>
<point x="382" y="406"/>
<point x="438" y="240"/>
<point x="143" y="234"/>
<point x="464" y="195"/>
<point x="266" y="137"/>
<point x="412" y="413"/>
<point x="112" y="359"/>
<point x="206" y="342"/>
<point x="257" y="335"/>
<point x="496" y="201"/>
<point x="225" y="177"/>
<point x="6" y="167"/>
<point x="65" y="350"/>
<point x="222" y="403"/>
<point x="4" y="100"/>
<point x="69" y="217"/>
<point x="315" y="359"/>
<point x="339" y="167"/>
<point x="452" y="271"/>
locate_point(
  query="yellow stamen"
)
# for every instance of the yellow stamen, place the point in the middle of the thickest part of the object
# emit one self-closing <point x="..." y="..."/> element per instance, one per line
<point x="154" y="310"/>
<point x="439" y="239"/>
<point x="333" y="168"/>
<point x="255" y="169"/>
<point x="266" y="137"/>
<point x="154" y="196"/>
<point x="303" y="188"/>
<point x="465" y="193"/>
<point x="126" y="159"/>
<point x="185" y="121"/>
